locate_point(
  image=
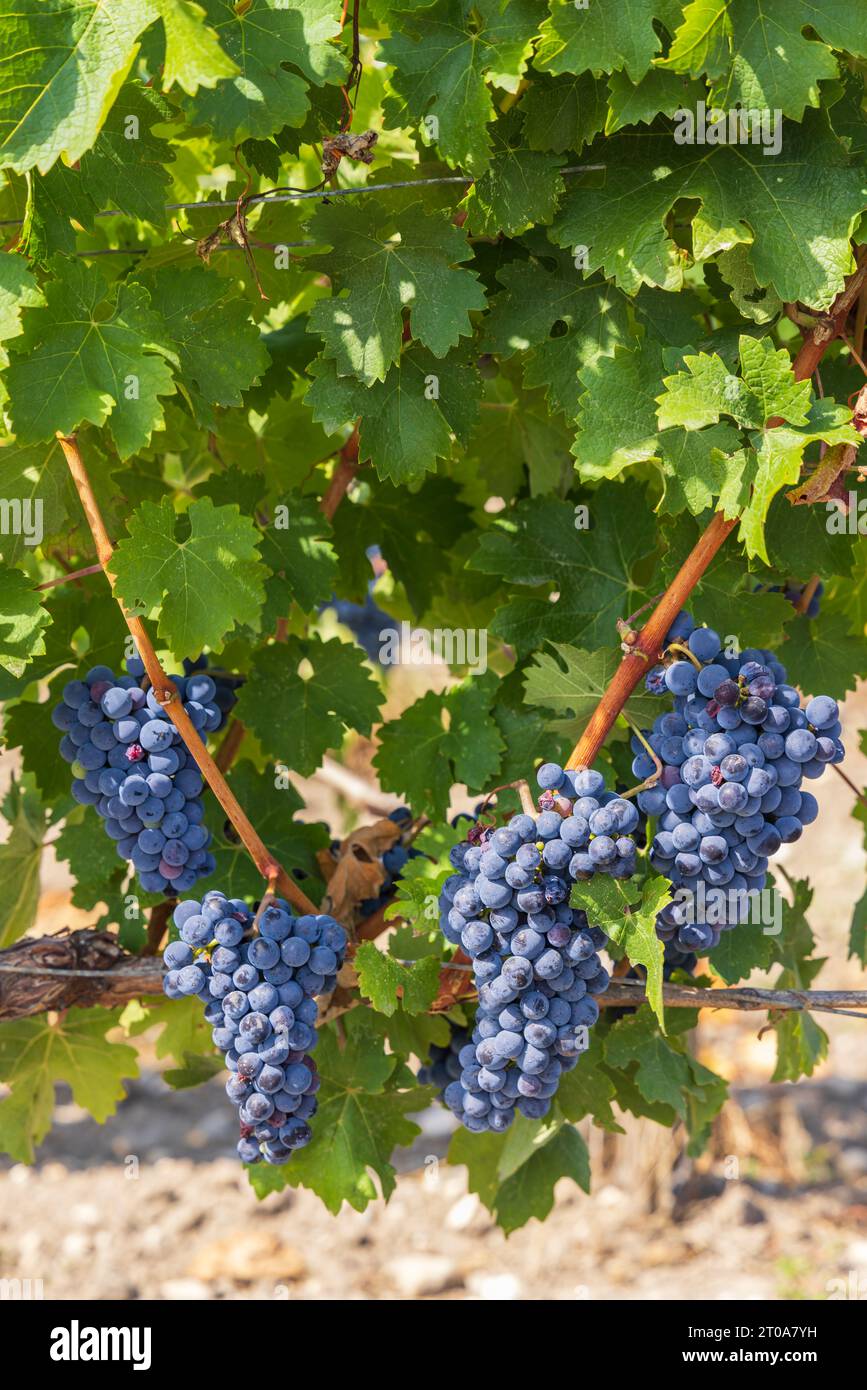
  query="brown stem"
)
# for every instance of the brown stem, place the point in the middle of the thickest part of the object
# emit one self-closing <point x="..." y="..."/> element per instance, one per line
<point x="166" y="693"/>
<point x="157" y="923"/>
<point x="343" y="475"/>
<point x="72" y="574"/>
<point x="228" y="749"/>
<point x="807" y="594"/>
<point x="646" y="648"/>
<point x="849" y="783"/>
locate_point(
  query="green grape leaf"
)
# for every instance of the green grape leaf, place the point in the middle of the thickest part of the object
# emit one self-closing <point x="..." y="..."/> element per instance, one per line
<point x="125" y="169"/>
<point x="203" y="571"/>
<point x="194" y="57"/>
<point x="752" y="300"/>
<point x="219" y="352"/>
<point x="534" y="300"/>
<point x="389" y="985"/>
<point x="588" y="1089"/>
<point x="662" y="1072"/>
<point x="741" y="951"/>
<point x="798" y="243"/>
<point x="858" y="931"/>
<point x="442" y="56"/>
<point x="184" y="1031"/>
<point x="361" y="1118"/>
<point x="696" y="465"/>
<point x="387" y="261"/>
<point x="422" y="754"/>
<point x="570" y="683"/>
<point x="779" y="455"/>
<point x="69" y="60"/>
<point x="701" y="41"/>
<point x="300" y="697"/>
<point x="801" y="1046"/>
<point x="26" y="726"/>
<point x="773" y="66"/>
<point x="544" y="542"/>
<point x="603" y="38"/>
<point x="18" y="290"/>
<point x="660" y="92"/>
<point x="93" y="862"/>
<point x="616" y="420"/>
<point x="826" y="657"/>
<point x="521" y="186"/>
<point x="613" y="905"/>
<point x="20" y="860"/>
<point x="563" y="113"/>
<point x="408" y="420"/>
<point x="297" y="549"/>
<point x="22" y="621"/>
<point x="263" y="39"/>
<point x="92" y="352"/>
<point x="514" y="1174"/>
<point x="413" y="530"/>
<point x="36" y="1053"/>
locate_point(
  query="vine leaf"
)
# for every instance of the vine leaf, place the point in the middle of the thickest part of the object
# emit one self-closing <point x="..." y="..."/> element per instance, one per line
<point x="563" y="113"/>
<point x="589" y="568"/>
<point x="203" y="571"/>
<point x="442" y="57"/>
<point x="20" y="860"/>
<point x="387" y="262"/>
<point x="407" y="421"/>
<point x="219" y="352"/>
<point x="364" y="1100"/>
<point x="18" y="291"/>
<point x="389" y="985"/>
<point x="515" y="1174"/>
<point x="264" y="40"/>
<point x="70" y="60"/>
<point x="298" y="551"/>
<point x="535" y="298"/>
<point x="194" y="57"/>
<point x="124" y="170"/>
<point x="612" y="904"/>
<point x="441" y="739"/>
<point x="36" y="1053"/>
<point x="300" y="697"/>
<point x="827" y="656"/>
<point x="779" y="456"/>
<point x="22" y="621"/>
<point x="795" y="223"/>
<point x="570" y="682"/>
<point x="603" y="38"/>
<point x="92" y="352"/>
<point x="773" y="67"/>
<point x="522" y="186"/>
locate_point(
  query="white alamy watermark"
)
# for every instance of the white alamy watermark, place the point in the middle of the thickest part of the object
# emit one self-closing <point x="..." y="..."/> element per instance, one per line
<point x="21" y="1290"/>
<point x="421" y="646"/>
<point x="77" y="1343"/>
<point x="22" y="516"/>
<point x="712" y="126"/>
<point x="847" y="516"/>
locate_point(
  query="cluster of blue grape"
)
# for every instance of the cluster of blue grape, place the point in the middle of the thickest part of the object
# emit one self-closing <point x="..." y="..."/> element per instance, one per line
<point x="534" y="957"/>
<point x="130" y="763"/>
<point x="225" y="686"/>
<point x="736" y="748"/>
<point x="444" y="1064"/>
<point x="259" y="989"/>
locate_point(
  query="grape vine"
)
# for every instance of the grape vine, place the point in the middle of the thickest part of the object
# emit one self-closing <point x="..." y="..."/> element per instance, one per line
<point x="409" y="383"/>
